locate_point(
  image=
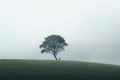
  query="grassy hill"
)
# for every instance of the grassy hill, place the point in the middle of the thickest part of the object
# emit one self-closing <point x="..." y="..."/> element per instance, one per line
<point x="52" y="70"/>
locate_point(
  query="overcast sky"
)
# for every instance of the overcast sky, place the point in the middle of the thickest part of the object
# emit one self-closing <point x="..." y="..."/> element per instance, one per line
<point x="90" y="27"/>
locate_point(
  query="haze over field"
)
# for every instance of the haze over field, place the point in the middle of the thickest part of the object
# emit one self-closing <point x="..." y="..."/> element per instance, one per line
<point x="90" y="27"/>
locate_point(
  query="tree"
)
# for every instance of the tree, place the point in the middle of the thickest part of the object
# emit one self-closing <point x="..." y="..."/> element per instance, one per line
<point x="53" y="44"/>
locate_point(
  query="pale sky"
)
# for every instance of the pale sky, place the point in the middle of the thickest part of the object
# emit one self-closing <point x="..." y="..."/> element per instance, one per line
<point x="90" y="27"/>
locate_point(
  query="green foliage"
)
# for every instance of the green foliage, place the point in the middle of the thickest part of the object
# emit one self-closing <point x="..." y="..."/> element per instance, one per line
<point x="53" y="44"/>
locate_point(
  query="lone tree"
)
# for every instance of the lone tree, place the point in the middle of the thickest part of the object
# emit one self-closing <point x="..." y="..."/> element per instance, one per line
<point x="53" y="44"/>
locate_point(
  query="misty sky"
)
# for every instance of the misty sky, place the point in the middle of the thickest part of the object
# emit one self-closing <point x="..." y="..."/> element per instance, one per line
<point x="90" y="27"/>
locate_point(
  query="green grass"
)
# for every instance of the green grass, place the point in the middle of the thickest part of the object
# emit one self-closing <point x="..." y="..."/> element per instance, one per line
<point x="52" y="70"/>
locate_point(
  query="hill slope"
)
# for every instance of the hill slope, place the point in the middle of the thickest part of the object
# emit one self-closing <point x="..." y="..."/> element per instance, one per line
<point x="52" y="70"/>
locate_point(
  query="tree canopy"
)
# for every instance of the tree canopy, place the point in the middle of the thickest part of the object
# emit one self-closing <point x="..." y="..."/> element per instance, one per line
<point x="53" y="44"/>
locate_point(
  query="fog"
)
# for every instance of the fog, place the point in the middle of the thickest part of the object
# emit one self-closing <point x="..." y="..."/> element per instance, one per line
<point x="90" y="27"/>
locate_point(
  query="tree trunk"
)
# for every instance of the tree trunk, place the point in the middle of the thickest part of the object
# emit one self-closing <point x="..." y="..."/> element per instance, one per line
<point x="55" y="57"/>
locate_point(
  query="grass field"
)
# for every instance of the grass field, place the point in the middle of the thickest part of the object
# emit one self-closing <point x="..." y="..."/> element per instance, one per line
<point x="52" y="70"/>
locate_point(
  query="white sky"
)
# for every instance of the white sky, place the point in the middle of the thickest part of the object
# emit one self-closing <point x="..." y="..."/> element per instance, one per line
<point x="90" y="27"/>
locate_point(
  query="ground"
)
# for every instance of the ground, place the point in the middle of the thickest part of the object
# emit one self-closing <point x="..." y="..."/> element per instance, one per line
<point x="53" y="70"/>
